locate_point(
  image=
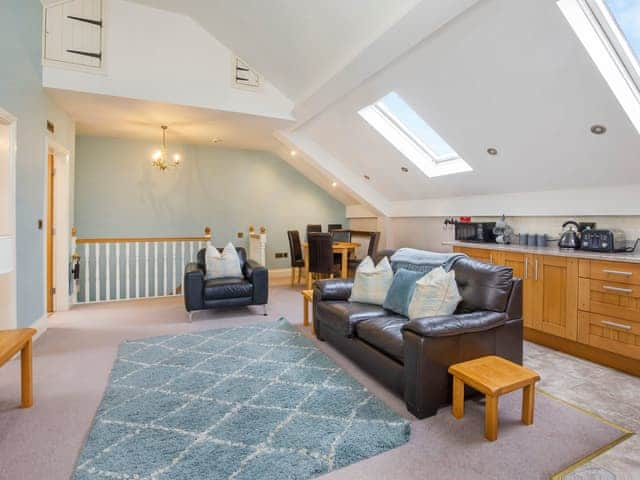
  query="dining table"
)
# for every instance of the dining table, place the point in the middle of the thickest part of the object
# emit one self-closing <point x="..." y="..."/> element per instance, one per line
<point x="342" y="248"/>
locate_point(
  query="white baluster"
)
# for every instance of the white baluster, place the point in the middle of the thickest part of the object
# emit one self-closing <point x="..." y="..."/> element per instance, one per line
<point x="155" y="269"/>
<point x="127" y="281"/>
<point x="107" y="267"/>
<point x="137" y="270"/>
<point x="87" y="287"/>
<point x="98" y="293"/>
<point x="118" y="295"/>
<point x="173" y="270"/>
<point x="164" y="269"/>
<point x="146" y="269"/>
<point x="191" y="251"/>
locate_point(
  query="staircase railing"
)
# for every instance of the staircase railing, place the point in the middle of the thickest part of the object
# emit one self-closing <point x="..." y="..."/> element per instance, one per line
<point x="113" y="269"/>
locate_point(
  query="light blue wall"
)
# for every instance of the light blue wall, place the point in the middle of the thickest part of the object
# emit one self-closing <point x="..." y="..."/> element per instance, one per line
<point x="21" y="94"/>
<point x="118" y="193"/>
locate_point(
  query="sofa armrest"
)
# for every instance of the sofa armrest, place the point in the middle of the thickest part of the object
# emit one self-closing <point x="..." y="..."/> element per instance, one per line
<point x="334" y="289"/>
<point x="193" y="287"/>
<point x="259" y="277"/>
<point x="448" y="325"/>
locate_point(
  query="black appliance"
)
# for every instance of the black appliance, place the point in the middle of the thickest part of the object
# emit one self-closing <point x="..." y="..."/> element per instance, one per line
<point x="604" y="241"/>
<point x="481" y="232"/>
<point x="570" y="238"/>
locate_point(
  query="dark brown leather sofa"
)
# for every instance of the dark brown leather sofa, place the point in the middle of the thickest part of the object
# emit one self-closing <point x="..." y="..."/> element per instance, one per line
<point x="412" y="357"/>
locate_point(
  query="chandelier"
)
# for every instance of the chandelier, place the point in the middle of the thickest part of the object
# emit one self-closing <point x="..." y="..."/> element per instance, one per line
<point x="160" y="158"/>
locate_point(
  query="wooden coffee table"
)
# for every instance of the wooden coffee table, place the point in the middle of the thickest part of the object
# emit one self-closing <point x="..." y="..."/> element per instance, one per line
<point x="307" y="298"/>
<point x="493" y="376"/>
<point x="12" y="342"/>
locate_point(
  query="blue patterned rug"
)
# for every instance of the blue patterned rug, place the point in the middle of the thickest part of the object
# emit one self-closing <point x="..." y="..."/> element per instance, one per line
<point x="252" y="402"/>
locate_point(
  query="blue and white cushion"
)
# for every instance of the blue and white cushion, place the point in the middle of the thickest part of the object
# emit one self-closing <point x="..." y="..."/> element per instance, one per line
<point x="372" y="282"/>
<point x="435" y="294"/>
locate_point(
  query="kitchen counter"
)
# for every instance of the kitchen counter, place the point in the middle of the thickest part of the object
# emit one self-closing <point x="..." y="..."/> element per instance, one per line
<point x="553" y="250"/>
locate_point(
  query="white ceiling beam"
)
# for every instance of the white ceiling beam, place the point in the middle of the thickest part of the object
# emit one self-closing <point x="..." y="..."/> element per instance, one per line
<point x="317" y="157"/>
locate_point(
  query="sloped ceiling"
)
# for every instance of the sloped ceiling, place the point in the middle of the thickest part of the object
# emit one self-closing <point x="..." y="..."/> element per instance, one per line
<point x="505" y="74"/>
<point x="508" y="74"/>
<point x="296" y="44"/>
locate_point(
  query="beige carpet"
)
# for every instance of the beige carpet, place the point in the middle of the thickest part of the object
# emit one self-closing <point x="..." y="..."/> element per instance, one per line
<point x="73" y="359"/>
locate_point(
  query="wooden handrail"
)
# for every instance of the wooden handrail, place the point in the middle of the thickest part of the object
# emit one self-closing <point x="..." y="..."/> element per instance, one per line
<point x="204" y="238"/>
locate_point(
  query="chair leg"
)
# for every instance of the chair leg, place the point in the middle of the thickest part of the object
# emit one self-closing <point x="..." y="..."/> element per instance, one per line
<point x="264" y="310"/>
<point x="293" y="275"/>
<point x="190" y="316"/>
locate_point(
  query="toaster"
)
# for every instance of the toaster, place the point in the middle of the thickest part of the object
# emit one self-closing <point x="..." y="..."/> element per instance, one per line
<point x="603" y="240"/>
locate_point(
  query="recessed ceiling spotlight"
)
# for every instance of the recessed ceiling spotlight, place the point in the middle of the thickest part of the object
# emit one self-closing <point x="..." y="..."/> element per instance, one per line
<point x="492" y="151"/>
<point x="367" y="177"/>
<point x="404" y="169"/>
<point x="293" y="153"/>
<point x="334" y="184"/>
<point x="216" y="140"/>
<point x="598" y="129"/>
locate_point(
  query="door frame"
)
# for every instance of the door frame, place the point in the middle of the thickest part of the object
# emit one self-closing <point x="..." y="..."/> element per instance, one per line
<point x="11" y="121"/>
<point x="62" y="222"/>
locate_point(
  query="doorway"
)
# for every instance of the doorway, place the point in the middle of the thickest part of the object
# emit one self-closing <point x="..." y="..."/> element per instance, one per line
<point x="51" y="171"/>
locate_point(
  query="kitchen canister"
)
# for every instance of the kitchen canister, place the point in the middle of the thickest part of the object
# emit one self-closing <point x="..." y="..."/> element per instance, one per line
<point x="524" y="238"/>
<point x="541" y="240"/>
<point x="532" y="240"/>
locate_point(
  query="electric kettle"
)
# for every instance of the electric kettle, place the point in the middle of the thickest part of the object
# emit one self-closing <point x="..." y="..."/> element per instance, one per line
<point x="570" y="237"/>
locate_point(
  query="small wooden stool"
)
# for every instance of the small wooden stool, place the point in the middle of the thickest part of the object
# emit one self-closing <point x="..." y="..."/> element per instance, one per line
<point x="307" y="297"/>
<point x="493" y="376"/>
<point x="12" y="342"/>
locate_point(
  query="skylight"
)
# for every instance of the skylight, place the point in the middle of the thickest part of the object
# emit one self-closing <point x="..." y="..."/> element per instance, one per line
<point x="396" y="121"/>
<point x="610" y="31"/>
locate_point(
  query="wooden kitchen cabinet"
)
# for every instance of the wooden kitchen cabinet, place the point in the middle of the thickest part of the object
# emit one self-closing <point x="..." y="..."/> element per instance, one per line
<point x="522" y="265"/>
<point x="556" y="295"/>
<point x="481" y="254"/>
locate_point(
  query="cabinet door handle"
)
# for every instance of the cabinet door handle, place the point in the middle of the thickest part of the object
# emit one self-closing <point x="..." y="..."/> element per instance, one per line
<point x="536" y="270"/>
<point x="617" y="289"/>
<point x="526" y="268"/>
<point x="617" y="272"/>
<point x="622" y="326"/>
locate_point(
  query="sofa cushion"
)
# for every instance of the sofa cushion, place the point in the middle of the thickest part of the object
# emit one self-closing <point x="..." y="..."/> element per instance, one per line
<point x="435" y="294"/>
<point x="221" y="288"/>
<point x="482" y="286"/>
<point x="371" y="282"/>
<point x="343" y="316"/>
<point x="385" y="334"/>
<point x="401" y="290"/>
<point x="225" y="264"/>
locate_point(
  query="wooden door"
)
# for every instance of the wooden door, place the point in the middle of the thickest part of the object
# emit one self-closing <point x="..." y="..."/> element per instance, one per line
<point x="556" y="295"/>
<point x="521" y="264"/>
<point x="50" y="232"/>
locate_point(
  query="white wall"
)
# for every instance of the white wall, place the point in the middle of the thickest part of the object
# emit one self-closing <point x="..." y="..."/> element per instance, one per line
<point x="156" y="55"/>
<point x="428" y="233"/>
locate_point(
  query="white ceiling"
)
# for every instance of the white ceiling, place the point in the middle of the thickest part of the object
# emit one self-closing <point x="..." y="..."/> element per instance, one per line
<point x="103" y="115"/>
<point x="505" y="74"/>
<point x="296" y="44"/>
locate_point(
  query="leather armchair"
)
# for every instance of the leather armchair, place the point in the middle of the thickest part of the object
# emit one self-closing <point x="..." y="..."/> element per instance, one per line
<point x="203" y="294"/>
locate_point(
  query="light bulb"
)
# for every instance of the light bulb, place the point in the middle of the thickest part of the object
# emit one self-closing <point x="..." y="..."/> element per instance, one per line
<point x="176" y="158"/>
<point x="157" y="155"/>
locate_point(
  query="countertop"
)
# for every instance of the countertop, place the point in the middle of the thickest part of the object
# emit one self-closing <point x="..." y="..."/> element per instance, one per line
<point x="553" y="250"/>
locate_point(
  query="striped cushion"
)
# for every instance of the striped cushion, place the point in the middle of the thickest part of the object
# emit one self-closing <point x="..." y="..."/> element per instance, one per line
<point x="372" y="282"/>
<point x="222" y="265"/>
<point x="435" y="294"/>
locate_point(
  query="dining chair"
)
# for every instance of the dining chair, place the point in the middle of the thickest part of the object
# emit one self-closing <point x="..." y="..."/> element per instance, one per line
<point x="341" y="236"/>
<point x="295" y="252"/>
<point x="321" y="254"/>
<point x="374" y="240"/>
<point x="313" y="228"/>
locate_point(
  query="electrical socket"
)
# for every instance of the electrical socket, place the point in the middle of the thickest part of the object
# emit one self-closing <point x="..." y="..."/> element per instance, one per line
<point x="240" y="234"/>
<point x="282" y="254"/>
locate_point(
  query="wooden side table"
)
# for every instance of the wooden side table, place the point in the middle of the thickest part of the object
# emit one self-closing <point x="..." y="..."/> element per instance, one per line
<point x="307" y="297"/>
<point x="12" y="342"/>
<point x="493" y="376"/>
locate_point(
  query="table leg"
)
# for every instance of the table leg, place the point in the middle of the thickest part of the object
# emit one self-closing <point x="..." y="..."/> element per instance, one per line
<point x="306" y="312"/>
<point x="457" y="406"/>
<point x="344" y="271"/>
<point x="528" y="396"/>
<point x="491" y="418"/>
<point x="27" y="375"/>
<point x="306" y="266"/>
